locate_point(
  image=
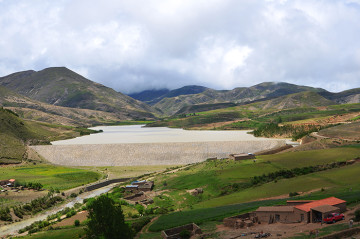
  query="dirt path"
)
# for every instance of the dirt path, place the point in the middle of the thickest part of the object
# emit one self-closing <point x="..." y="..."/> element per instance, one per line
<point x="146" y="228"/>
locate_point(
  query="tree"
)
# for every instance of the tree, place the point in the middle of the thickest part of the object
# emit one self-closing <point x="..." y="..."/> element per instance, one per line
<point x="106" y="220"/>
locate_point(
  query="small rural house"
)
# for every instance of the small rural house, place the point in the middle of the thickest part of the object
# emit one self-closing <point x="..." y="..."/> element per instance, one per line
<point x="9" y="182"/>
<point x="174" y="233"/>
<point x="308" y="211"/>
<point x="237" y="157"/>
<point x="301" y="211"/>
<point x="144" y="186"/>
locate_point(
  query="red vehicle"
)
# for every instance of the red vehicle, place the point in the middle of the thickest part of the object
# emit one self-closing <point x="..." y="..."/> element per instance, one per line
<point x="334" y="217"/>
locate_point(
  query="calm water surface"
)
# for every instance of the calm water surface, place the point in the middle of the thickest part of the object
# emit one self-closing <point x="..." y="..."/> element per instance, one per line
<point x="139" y="134"/>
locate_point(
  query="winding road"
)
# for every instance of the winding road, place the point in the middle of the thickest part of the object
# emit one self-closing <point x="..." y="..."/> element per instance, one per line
<point x="12" y="229"/>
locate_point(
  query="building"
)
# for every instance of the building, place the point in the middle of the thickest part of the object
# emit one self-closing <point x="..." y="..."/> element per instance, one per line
<point x="284" y="214"/>
<point x="308" y="211"/>
<point x="9" y="182"/>
<point x="237" y="157"/>
<point x="317" y="210"/>
<point x="174" y="233"/>
<point x="143" y="186"/>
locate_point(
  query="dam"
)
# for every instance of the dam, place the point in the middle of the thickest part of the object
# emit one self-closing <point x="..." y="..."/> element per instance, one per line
<point x="134" y="146"/>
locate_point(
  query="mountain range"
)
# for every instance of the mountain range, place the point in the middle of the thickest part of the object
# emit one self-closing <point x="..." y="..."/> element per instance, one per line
<point x="59" y="95"/>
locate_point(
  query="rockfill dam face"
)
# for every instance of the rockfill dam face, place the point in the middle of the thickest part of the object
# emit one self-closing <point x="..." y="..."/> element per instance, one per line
<point x="136" y="154"/>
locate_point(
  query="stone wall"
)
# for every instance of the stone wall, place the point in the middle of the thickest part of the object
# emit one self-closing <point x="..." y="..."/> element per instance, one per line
<point x="148" y="153"/>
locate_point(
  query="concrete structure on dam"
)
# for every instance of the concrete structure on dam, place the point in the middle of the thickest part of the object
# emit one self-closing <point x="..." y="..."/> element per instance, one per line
<point x="148" y="153"/>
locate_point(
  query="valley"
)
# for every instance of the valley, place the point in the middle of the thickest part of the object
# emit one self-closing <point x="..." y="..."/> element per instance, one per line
<point x="82" y="133"/>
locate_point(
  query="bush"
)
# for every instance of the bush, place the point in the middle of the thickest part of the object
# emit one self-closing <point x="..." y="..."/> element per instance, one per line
<point x="185" y="234"/>
<point x="293" y="194"/>
<point x="357" y="215"/>
<point x="77" y="223"/>
<point x="73" y="195"/>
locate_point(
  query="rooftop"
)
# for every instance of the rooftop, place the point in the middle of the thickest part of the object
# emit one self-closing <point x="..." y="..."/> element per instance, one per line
<point x="325" y="208"/>
<point x="327" y="201"/>
<point x="276" y="209"/>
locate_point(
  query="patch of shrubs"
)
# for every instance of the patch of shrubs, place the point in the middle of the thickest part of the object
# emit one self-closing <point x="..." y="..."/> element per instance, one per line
<point x="293" y="194"/>
<point x="30" y="185"/>
<point x="5" y="214"/>
<point x="357" y="215"/>
<point x="296" y="132"/>
<point x="137" y="225"/>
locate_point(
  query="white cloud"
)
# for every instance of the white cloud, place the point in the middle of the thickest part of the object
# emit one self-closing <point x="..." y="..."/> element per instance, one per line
<point x="134" y="45"/>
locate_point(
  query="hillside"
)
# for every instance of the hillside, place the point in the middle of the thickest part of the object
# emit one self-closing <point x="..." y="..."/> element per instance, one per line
<point x="63" y="87"/>
<point x="292" y="107"/>
<point x="267" y="90"/>
<point x="347" y="96"/>
<point x="16" y="134"/>
<point x="346" y="131"/>
<point x="35" y="110"/>
<point x="153" y="96"/>
<point x="149" y="95"/>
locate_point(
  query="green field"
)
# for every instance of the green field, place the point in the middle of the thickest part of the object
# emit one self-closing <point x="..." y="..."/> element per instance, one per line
<point x="50" y="175"/>
<point x="220" y="199"/>
<point x="214" y="176"/>
<point x="65" y="233"/>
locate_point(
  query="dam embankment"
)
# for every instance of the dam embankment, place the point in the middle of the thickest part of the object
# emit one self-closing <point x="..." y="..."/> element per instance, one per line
<point x="135" y="154"/>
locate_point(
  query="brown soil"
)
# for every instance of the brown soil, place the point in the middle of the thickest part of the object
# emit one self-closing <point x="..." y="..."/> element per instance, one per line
<point x="23" y="196"/>
<point x="81" y="216"/>
<point x="215" y="125"/>
<point x="277" y="230"/>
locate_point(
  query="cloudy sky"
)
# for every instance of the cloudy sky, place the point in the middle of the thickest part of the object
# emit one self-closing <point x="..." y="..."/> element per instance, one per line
<point x="132" y="45"/>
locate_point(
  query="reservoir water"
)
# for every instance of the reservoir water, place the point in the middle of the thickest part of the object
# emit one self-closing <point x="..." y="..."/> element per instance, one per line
<point x="140" y="134"/>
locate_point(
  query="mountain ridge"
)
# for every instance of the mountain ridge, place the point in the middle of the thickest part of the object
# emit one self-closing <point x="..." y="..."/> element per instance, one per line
<point x="63" y="87"/>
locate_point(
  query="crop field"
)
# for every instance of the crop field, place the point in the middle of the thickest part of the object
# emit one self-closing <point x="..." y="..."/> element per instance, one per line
<point x="56" y="177"/>
<point x="347" y="131"/>
<point x="337" y="179"/>
<point x="64" y="233"/>
<point x="216" y="174"/>
<point x="220" y="199"/>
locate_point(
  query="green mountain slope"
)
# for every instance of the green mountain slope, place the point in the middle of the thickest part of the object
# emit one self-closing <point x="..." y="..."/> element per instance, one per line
<point x="267" y="90"/>
<point x="63" y="87"/>
<point x="14" y="134"/>
<point x="39" y="111"/>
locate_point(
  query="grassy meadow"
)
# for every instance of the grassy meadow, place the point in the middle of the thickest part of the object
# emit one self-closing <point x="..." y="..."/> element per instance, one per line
<point x="63" y="233"/>
<point x="50" y="176"/>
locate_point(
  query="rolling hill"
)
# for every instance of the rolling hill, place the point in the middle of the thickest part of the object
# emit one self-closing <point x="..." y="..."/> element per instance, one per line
<point x="63" y="87"/>
<point x="153" y="96"/>
<point x="266" y="90"/>
<point x="39" y="111"/>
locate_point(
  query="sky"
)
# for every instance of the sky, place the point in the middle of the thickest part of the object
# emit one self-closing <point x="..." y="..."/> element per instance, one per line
<point x="134" y="45"/>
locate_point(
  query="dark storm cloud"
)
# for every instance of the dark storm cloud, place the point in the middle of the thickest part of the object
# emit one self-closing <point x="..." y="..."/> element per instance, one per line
<point x="136" y="45"/>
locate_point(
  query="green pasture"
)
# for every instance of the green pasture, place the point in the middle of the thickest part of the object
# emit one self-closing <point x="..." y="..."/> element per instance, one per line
<point x="214" y="175"/>
<point x="50" y="175"/>
<point x="64" y="233"/>
<point x="338" y="179"/>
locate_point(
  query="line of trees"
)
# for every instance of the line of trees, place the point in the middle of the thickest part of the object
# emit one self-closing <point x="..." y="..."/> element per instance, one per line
<point x="290" y="173"/>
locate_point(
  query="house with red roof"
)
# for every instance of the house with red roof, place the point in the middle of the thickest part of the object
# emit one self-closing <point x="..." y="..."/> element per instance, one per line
<point x="317" y="210"/>
<point x="308" y="211"/>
